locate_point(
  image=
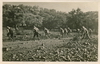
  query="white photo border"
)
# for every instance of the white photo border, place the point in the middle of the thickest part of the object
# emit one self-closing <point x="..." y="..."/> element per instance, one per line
<point x="1" y="3"/>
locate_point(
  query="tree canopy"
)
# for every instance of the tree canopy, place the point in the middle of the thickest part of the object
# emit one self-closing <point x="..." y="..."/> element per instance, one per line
<point x="28" y="16"/>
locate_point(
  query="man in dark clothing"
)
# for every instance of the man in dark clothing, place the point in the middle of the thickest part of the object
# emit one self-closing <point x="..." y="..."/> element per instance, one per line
<point x="10" y="32"/>
<point x="36" y="32"/>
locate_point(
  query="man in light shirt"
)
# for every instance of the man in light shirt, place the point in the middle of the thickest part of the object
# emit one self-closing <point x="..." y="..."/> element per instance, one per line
<point x="85" y="33"/>
<point x="36" y="32"/>
<point x="47" y="32"/>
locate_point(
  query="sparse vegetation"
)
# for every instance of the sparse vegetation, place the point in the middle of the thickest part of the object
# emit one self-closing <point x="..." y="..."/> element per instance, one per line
<point x="54" y="49"/>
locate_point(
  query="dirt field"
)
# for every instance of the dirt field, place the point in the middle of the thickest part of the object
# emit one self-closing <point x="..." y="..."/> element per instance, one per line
<point x="51" y="49"/>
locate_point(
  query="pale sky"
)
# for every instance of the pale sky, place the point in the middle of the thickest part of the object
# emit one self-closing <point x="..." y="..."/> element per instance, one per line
<point x="62" y="6"/>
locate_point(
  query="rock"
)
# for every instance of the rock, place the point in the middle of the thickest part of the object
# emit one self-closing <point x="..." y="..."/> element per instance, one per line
<point x="14" y="56"/>
<point x="5" y="49"/>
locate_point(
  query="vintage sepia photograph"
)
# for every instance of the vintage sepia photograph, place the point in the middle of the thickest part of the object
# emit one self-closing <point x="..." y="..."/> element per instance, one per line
<point x="50" y="31"/>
